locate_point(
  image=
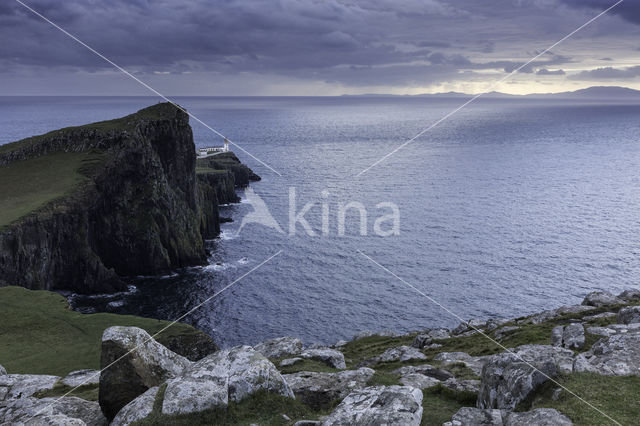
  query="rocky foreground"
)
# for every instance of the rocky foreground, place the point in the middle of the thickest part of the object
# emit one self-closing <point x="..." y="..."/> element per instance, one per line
<point x="374" y="379"/>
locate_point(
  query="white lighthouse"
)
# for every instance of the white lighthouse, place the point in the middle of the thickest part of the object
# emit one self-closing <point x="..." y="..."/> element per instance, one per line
<point x="226" y="145"/>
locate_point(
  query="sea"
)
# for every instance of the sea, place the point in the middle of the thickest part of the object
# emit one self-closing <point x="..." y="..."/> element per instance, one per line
<point x="506" y="208"/>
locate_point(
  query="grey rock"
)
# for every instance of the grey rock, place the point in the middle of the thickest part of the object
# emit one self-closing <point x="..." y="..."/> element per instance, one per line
<point x="629" y="315"/>
<point x="2" y="371"/>
<point x="555" y="313"/>
<point x="321" y="390"/>
<point x="81" y="378"/>
<point x="340" y="343"/>
<point x="137" y="409"/>
<point x="508" y="378"/>
<point x="419" y="381"/>
<point x="556" y="335"/>
<point x="193" y="346"/>
<point x="570" y="336"/>
<point x="630" y="295"/>
<point x="25" y="385"/>
<point x="475" y="364"/>
<point x="227" y="375"/>
<point x="290" y="361"/>
<point x="599" y="316"/>
<point x="400" y="353"/>
<point x="379" y="405"/>
<point x="471" y="325"/>
<point x="363" y="334"/>
<point x="494" y="323"/>
<point x="426" y="337"/>
<point x="456" y="385"/>
<point x="425" y="370"/>
<point x="332" y="357"/>
<point x="142" y="364"/>
<point x="502" y="332"/>
<point x="51" y="411"/>
<point x="617" y="355"/>
<point x="601" y="298"/>
<point x="601" y="331"/>
<point x="538" y="417"/>
<point x="308" y="423"/>
<point x="280" y="347"/>
<point x="471" y="416"/>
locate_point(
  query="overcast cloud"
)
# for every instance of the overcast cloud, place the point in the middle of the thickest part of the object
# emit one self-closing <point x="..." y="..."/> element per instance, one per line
<point x="293" y="47"/>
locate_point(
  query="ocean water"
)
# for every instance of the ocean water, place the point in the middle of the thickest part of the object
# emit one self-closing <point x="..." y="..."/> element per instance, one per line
<point x="508" y="208"/>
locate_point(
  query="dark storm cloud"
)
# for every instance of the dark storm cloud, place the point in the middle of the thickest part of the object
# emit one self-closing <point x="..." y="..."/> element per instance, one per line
<point x="629" y="9"/>
<point x="352" y="42"/>
<point x="607" y="73"/>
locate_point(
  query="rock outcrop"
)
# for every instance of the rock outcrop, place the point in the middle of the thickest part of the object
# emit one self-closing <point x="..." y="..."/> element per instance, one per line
<point x="321" y="390"/>
<point x="509" y="377"/>
<point x="617" y="355"/>
<point x="379" y="405"/>
<point x="133" y="362"/>
<point x="469" y="416"/>
<point x="570" y="336"/>
<point x="279" y="347"/>
<point x="331" y="357"/>
<point x="140" y="209"/>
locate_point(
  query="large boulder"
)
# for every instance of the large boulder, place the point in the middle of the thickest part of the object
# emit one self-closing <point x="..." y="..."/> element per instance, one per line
<point x="629" y="315"/>
<point x="51" y="411"/>
<point x="227" y="375"/>
<point x="13" y="386"/>
<point x="630" y="295"/>
<point x="321" y="390"/>
<point x="137" y="409"/>
<point x="617" y="355"/>
<point x="332" y="357"/>
<point x="601" y="298"/>
<point x="379" y="405"/>
<point x="571" y="336"/>
<point x="425" y="370"/>
<point x="280" y="347"/>
<point x="508" y="378"/>
<point x="133" y="362"/>
<point x="2" y="371"/>
<point x="425" y="338"/>
<point x="193" y="346"/>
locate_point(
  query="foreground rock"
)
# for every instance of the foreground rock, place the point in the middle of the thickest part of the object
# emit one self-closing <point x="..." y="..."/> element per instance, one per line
<point x="82" y="378"/>
<point x="2" y="371"/>
<point x="142" y="363"/>
<point x="469" y="416"/>
<point x="320" y="390"/>
<point x="601" y="298"/>
<point x="379" y="405"/>
<point x="332" y="357"/>
<point x="228" y="375"/>
<point x="617" y="355"/>
<point x="508" y="378"/>
<point x="51" y="411"/>
<point x="570" y="336"/>
<point x="137" y="409"/>
<point x="280" y="347"/>
<point x="629" y="315"/>
<point x="14" y="386"/>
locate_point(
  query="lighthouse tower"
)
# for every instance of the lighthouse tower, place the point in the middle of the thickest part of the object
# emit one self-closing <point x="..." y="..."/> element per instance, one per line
<point x="226" y="145"/>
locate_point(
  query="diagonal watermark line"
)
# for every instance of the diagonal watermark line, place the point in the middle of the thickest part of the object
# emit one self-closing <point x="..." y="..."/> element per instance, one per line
<point x="491" y="88"/>
<point x="487" y="336"/>
<point x="145" y="85"/>
<point x="192" y="310"/>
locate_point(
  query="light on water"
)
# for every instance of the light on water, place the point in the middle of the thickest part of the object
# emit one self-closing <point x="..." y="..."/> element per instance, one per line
<point x="508" y="208"/>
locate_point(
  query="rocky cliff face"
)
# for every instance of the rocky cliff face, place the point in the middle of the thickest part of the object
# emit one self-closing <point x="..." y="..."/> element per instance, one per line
<point x="141" y="211"/>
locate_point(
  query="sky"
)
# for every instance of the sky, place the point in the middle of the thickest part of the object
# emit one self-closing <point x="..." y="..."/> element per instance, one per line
<point x="316" y="47"/>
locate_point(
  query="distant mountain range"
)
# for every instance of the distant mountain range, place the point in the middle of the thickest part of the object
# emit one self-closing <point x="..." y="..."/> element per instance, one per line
<point x="595" y="92"/>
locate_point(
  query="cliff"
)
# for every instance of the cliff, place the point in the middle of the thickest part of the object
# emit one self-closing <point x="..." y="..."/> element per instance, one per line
<point x="133" y="205"/>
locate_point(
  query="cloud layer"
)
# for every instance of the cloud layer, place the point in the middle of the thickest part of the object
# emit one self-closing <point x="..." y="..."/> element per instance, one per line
<point x="345" y="43"/>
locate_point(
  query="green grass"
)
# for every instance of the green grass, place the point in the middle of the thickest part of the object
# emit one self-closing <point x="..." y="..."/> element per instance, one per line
<point x="439" y="404"/>
<point x="39" y="334"/>
<point x="359" y="350"/>
<point x="29" y="184"/>
<point x="207" y="170"/>
<point x="261" y="408"/>
<point x="305" y="365"/>
<point x="88" y="392"/>
<point x="618" y="397"/>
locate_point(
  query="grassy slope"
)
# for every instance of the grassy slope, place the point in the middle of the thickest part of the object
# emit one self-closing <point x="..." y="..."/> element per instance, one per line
<point x="39" y="334"/>
<point x="30" y="184"/>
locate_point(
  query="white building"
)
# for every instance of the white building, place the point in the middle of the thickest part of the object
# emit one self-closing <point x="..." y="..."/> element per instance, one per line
<point x="203" y="152"/>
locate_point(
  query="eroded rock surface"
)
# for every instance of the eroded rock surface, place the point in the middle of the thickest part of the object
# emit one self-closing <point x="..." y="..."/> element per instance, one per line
<point x="137" y="409"/>
<point x="142" y="364"/>
<point x="571" y="336"/>
<point x="629" y="315"/>
<point x="82" y="378"/>
<point x="279" y="347"/>
<point x="601" y="298"/>
<point x="332" y="357"/>
<point x="474" y="363"/>
<point x="379" y="405"/>
<point x="508" y="378"/>
<point x="51" y="411"/>
<point x="320" y="390"/>
<point x="14" y="386"/>
<point x="617" y="355"/>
